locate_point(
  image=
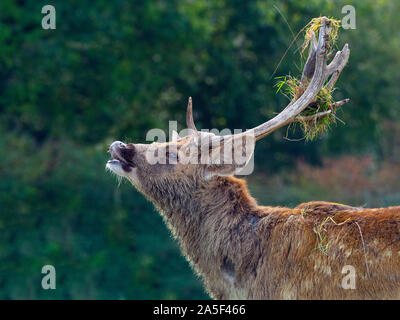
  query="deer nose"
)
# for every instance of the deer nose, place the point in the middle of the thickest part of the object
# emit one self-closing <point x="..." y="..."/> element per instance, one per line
<point x="117" y="144"/>
<point x="123" y="152"/>
<point x="115" y="149"/>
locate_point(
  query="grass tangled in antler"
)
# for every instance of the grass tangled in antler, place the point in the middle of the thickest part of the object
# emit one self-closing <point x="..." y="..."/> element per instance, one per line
<point x="318" y="126"/>
<point x="312" y="128"/>
<point x="293" y="89"/>
<point x="313" y="27"/>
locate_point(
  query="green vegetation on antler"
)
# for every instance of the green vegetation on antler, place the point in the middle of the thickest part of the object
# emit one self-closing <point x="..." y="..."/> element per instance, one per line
<point x="313" y="27"/>
<point x="293" y="88"/>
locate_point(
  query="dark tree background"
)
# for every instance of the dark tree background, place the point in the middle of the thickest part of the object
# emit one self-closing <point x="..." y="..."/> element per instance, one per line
<point x="112" y="70"/>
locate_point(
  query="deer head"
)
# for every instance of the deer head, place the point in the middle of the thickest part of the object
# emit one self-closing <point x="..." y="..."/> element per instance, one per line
<point x="182" y="164"/>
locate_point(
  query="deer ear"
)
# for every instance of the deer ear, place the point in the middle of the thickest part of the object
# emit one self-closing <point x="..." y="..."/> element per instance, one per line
<point x="230" y="156"/>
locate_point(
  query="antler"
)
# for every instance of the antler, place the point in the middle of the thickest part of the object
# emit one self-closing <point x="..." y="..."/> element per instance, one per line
<point x="315" y="69"/>
<point x="189" y="116"/>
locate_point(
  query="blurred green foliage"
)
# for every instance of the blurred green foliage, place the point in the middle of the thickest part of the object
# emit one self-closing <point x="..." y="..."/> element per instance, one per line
<point x="115" y="69"/>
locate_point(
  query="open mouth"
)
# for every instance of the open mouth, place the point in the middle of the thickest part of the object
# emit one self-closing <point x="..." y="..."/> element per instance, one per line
<point x="117" y="153"/>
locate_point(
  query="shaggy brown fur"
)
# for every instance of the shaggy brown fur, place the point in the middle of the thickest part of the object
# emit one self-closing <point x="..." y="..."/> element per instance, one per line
<point x="246" y="251"/>
<point x="250" y="252"/>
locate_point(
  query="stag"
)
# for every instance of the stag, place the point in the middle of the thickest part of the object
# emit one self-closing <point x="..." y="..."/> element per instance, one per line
<point x="242" y="250"/>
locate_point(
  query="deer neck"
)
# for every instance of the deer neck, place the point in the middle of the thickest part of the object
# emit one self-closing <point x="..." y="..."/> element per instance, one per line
<point x="206" y="219"/>
<point x="215" y="200"/>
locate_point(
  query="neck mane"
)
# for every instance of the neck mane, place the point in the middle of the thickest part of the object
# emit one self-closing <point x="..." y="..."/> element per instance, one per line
<point x="214" y="225"/>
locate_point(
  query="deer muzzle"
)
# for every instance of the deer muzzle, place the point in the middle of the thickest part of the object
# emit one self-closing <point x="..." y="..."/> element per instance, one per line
<point x="123" y="154"/>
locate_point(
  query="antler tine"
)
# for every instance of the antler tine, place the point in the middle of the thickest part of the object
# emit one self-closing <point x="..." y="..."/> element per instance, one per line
<point x="337" y="65"/>
<point x="316" y="69"/>
<point x="189" y="116"/>
<point x="321" y="114"/>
